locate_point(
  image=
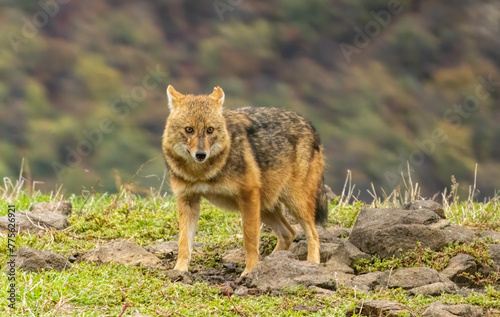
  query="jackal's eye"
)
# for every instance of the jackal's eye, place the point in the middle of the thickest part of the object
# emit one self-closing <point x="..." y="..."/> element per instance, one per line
<point x="210" y="130"/>
<point x="189" y="130"/>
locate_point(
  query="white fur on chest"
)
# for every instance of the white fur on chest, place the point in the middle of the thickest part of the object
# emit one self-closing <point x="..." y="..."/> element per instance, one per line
<point x="221" y="196"/>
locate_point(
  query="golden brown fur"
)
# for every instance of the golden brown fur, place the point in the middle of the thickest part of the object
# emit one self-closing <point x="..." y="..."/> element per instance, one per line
<point x="254" y="160"/>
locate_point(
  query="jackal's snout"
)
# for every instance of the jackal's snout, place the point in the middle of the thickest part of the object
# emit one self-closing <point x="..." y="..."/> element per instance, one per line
<point x="200" y="156"/>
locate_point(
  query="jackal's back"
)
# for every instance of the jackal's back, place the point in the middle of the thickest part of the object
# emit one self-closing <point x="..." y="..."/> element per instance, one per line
<point x="276" y="136"/>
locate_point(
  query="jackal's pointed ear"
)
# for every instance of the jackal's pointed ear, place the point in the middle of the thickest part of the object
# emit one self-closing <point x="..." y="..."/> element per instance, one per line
<point x="218" y="95"/>
<point x="174" y="97"/>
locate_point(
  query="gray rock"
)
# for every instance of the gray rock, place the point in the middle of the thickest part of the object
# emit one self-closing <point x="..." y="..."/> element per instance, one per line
<point x="393" y="231"/>
<point x="234" y="256"/>
<point x="282" y="269"/>
<point x="339" y="267"/>
<point x="459" y="234"/>
<point x="495" y="255"/>
<point x="318" y="279"/>
<point x="32" y="260"/>
<point x="370" y="281"/>
<point x="348" y="254"/>
<point x="169" y="247"/>
<point x="377" y="308"/>
<point x="438" y="309"/>
<point x="241" y="291"/>
<point x="435" y="289"/>
<point x="426" y="204"/>
<point x="416" y="279"/>
<point x="178" y="276"/>
<point x="322" y="292"/>
<point x="325" y="250"/>
<point x="35" y="222"/>
<point x="411" y="277"/>
<point x="491" y="236"/>
<point x="327" y="235"/>
<point x="123" y="252"/>
<point x="62" y="207"/>
<point x="289" y="217"/>
<point x="461" y="263"/>
<point x="299" y="249"/>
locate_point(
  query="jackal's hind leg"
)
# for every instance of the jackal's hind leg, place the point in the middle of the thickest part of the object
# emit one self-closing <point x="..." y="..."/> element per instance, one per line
<point x="281" y="228"/>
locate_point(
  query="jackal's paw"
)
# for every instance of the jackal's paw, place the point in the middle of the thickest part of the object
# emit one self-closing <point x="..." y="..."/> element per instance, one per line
<point x="247" y="270"/>
<point x="183" y="267"/>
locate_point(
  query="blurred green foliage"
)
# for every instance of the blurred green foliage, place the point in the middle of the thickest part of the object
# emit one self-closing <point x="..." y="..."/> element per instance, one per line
<point x="373" y="113"/>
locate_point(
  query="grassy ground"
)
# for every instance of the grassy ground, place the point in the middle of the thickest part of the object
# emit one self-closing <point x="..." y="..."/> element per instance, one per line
<point x="105" y="290"/>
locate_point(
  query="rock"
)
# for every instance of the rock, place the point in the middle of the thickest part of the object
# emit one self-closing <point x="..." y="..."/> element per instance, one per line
<point x="411" y="277"/>
<point x="459" y="234"/>
<point x="435" y="289"/>
<point x="405" y="278"/>
<point x="62" y="207"/>
<point x="393" y="231"/>
<point x="461" y="263"/>
<point x="339" y="267"/>
<point x="495" y="255"/>
<point x="376" y="308"/>
<point x="241" y="291"/>
<point x="327" y="235"/>
<point x="438" y="309"/>
<point x="234" y="256"/>
<point x="290" y="218"/>
<point x="348" y="254"/>
<point x="123" y="252"/>
<point x="370" y="281"/>
<point x="282" y="269"/>
<point x="300" y="249"/>
<point x="325" y="250"/>
<point x="34" y="222"/>
<point x="32" y="260"/>
<point x="318" y="279"/>
<point x="140" y="315"/>
<point x="491" y="236"/>
<point x="179" y="276"/>
<point x="418" y="280"/>
<point x="169" y="247"/>
<point x="163" y="247"/>
<point x="322" y="292"/>
<point x="426" y="204"/>
<point x="329" y="193"/>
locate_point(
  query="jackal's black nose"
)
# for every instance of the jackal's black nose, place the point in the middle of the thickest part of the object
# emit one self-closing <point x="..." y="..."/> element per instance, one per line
<point x="200" y="156"/>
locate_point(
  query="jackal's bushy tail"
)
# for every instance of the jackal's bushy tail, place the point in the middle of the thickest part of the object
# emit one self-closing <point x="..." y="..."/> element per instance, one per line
<point x="321" y="215"/>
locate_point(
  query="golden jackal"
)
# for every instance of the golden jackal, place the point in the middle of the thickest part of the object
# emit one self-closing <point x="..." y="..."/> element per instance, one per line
<point x="253" y="160"/>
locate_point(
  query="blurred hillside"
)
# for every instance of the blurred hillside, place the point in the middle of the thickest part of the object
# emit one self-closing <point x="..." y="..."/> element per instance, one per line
<point x="82" y="84"/>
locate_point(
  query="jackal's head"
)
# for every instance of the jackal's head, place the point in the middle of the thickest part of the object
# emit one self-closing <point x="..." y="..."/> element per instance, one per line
<point x="195" y="130"/>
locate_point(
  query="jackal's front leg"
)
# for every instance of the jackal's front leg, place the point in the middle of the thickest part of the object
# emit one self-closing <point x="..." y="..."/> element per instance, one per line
<point x="250" y="214"/>
<point x="189" y="212"/>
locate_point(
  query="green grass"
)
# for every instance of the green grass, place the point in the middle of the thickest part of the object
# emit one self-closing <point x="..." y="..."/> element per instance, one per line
<point x="104" y="290"/>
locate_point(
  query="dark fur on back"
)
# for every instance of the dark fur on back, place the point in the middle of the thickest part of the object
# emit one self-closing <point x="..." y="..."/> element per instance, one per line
<point x="274" y="134"/>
